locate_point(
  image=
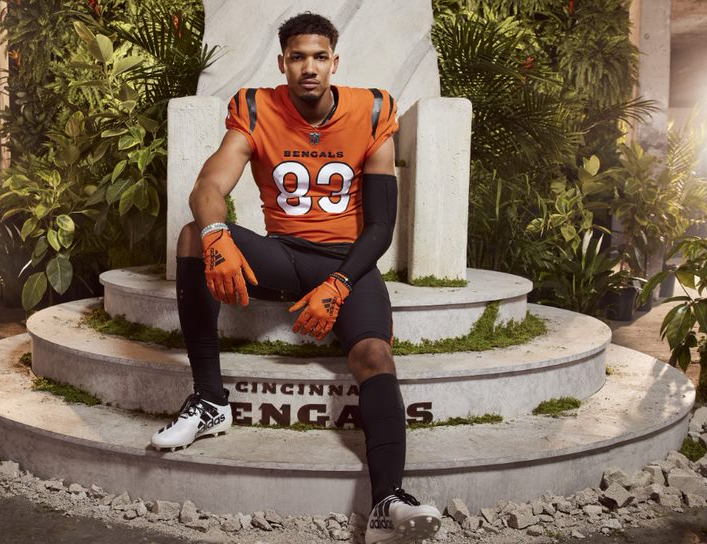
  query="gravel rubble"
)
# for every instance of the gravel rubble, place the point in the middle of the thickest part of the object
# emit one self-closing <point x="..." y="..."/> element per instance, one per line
<point x="621" y="501"/>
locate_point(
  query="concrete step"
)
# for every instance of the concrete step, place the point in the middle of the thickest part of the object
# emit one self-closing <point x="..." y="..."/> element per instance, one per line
<point x="568" y="361"/>
<point x="639" y="415"/>
<point x="143" y="296"/>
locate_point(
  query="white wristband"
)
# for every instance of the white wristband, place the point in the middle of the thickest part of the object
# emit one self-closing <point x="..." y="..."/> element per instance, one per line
<point x="213" y="227"/>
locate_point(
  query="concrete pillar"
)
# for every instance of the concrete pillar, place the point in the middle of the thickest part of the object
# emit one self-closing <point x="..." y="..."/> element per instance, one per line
<point x="439" y="191"/>
<point x="651" y="34"/>
<point x="195" y="128"/>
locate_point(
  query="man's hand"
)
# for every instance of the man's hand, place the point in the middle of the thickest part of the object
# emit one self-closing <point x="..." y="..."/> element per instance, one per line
<point x="321" y="307"/>
<point x="225" y="267"/>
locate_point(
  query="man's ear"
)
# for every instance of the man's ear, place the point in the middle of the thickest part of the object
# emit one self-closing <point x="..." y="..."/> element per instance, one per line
<point x="336" y="64"/>
<point x="281" y="63"/>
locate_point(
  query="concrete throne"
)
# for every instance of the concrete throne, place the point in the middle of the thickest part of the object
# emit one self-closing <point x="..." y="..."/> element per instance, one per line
<point x="383" y="43"/>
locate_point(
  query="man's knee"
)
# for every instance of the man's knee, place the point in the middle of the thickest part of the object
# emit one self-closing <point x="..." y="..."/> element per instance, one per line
<point x="369" y="357"/>
<point x="189" y="242"/>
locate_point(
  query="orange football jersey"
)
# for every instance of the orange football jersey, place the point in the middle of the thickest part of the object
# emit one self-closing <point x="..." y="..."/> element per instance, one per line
<point x="310" y="177"/>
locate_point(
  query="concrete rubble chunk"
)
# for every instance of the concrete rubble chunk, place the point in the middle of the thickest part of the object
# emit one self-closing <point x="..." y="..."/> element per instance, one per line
<point x="77" y="488"/>
<point x="563" y="505"/>
<point x="96" y="491"/>
<point x="698" y="423"/>
<point x="141" y="509"/>
<point x="522" y="517"/>
<point x="679" y="460"/>
<point x="54" y="485"/>
<point x="701" y="465"/>
<point x="641" y="479"/>
<point x="489" y="514"/>
<point x="641" y="494"/>
<point x="260" y="522"/>
<point x="613" y="524"/>
<point x="576" y="534"/>
<point x="616" y="496"/>
<point x="701" y="439"/>
<point x="458" y="510"/>
<point x="657" y="472"/>
<point x="130" y="514"/>
<point x="694" y="501"/>
<point x="230" y="523"/>
<point x="592" y="510"/>
<point x="687" y="482"/>
<point x="245" y="520"/>
<point x="614" y="475"/>
<point x="9" y="470"/>
<point x="166" y="510"/>
<point x="546" y="518"/>
<point x="472" y="523"/>
<point x="342" y="519"/>
<point x="203" y="525"/>
<point x="669" y="501"/>
<point x="121" y="502"/>
<point x="188" y="513"/>
<point x="449" y="526"/>
<point x="320" y="524"/>
<point x="535" y="530"/>
<point x="538" y="506"/>
<point x="332" y="524"/>
<point x="586" y="496"/>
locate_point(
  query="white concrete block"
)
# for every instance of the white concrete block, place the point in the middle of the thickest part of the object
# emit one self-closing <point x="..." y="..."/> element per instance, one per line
<point x="195" y="128"/>
<point x="439" y="194"/>
<point x="400" y="28"/>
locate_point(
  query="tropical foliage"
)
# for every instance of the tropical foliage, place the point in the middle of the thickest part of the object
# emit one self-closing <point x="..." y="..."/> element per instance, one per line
<point x="87" y="128"/>
<point x="551" y="88"/>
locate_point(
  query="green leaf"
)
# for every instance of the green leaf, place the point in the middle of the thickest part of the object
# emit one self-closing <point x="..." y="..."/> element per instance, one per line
<point x="127" y="141"/>
<point x="680" y="325"/>
<point x="40" y="210"/>
<point x="700" y="309"/>
<point x="75" y="125"/>
<point x="64" y="222"/>
<point x="101" y="48"/>
<point x="53" y="240"/>
<point x="83" y="31"/>
<point x="113" y="132"/>
<point x="124" y="64"/>
<point x="28" y="227"/>
<point x="127" y="200"/>
<point x="115" y="191"/>
<point x="11" y="212"/>
<point x="60" y="272"/>
<point x="118" y="169"/>
<point x="65" y="238"/>
<point x="686" y="277"/>
<point x="40" y="250"/>
<point x="33" y="290"/>
<point x="592" y="164"/>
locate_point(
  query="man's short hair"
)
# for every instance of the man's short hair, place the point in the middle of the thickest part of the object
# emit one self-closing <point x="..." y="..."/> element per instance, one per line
<point x="307" y="23"/>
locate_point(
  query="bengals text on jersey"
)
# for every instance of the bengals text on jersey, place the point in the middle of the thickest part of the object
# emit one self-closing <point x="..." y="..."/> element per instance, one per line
<point x="310" y="177"/>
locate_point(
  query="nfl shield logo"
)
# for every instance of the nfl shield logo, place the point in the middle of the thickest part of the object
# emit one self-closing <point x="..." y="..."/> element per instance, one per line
<point x="314" y="138"/>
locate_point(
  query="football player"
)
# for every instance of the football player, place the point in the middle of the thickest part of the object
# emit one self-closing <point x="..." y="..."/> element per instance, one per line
<point x="323" y="159"/>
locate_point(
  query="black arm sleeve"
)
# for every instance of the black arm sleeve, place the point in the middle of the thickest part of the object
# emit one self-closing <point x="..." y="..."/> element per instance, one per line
<point x="380" y="204"/>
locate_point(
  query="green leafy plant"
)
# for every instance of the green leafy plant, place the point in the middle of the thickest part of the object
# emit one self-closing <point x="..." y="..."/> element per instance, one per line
<point x="685" y="325"/>
<point x="88" y="189"/>
<point x="556" y="406"/>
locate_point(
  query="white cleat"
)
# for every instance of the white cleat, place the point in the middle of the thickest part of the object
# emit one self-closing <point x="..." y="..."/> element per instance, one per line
<point x="400" y="518"/>
<point x="197" y="417"/>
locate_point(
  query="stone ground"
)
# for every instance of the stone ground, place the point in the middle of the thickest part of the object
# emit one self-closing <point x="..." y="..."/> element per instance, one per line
<point x="29" y="513"/>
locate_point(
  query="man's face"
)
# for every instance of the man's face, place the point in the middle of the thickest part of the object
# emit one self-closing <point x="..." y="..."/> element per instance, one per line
<point x="308" y="62"/>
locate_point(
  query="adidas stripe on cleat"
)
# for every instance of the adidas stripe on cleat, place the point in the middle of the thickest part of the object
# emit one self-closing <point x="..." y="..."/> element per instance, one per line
<point x="197" y="417"/>
<point x="400" y="518"/>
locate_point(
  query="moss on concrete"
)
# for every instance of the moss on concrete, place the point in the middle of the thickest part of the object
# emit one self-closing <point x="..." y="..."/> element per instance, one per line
<point x="401" y="276"/>
<point x="553" y="407"/>
<point x="484" y="335"/>
<point x="68" y="392"/>
<point x="693" y="450"/>
<point x="26" y="360"/>
<point x="453" y="421"/>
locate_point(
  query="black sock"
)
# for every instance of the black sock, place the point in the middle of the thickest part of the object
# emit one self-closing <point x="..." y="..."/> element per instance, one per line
<point x="198" y="316"/>
<point x="383" y="420"/>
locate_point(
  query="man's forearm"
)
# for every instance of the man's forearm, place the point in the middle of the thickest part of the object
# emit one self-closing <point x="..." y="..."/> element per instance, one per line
<point x="207" y="205"/>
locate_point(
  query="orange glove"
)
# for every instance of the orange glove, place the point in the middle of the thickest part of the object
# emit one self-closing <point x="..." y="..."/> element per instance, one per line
<point x="225" y="267"/>
<point x="321" y="307"/>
